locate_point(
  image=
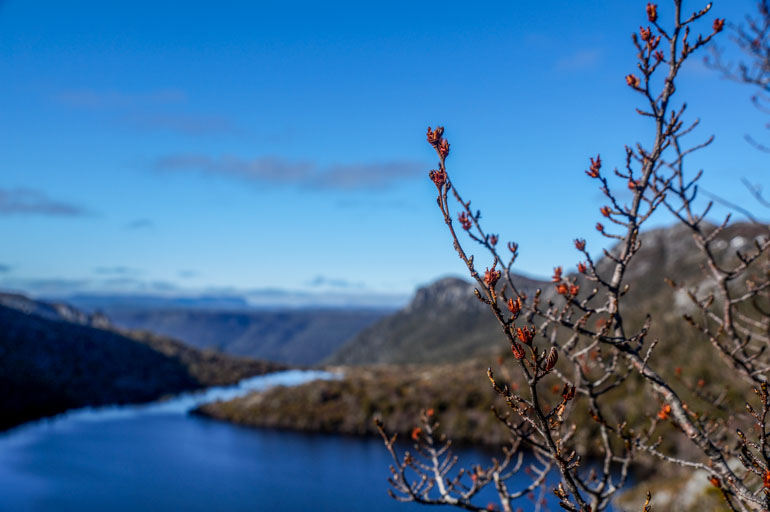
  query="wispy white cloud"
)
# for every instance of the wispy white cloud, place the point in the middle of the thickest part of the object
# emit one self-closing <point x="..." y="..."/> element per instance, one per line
<point x="118" y="270"/>
<point x="182" y="123"/>
<point x="281" y="171"/>
<point x="140" y="224"/>
<point x="320" y="281"/>
<point x="580" y="60"/>
<point x="26" y="201"/>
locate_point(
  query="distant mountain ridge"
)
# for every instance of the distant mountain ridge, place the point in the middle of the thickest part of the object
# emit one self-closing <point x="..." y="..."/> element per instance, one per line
<point x="302" y="337"/>
<point x="444" y="322"/>
<point x="110" y="304"/>
<point x="53" y="310"/>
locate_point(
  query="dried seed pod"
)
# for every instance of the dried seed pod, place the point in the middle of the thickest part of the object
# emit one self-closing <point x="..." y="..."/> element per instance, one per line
<point x="550" y="361"/>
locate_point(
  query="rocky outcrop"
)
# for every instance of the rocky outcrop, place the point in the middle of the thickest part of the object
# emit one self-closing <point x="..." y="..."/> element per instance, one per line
<point x="444" y="322"/>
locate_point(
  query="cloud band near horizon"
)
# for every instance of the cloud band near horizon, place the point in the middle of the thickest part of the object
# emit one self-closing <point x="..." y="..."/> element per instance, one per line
<point x="302" y="173"/>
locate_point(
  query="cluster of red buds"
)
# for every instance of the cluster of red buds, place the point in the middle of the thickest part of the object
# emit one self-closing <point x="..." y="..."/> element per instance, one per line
<point x="664" y="412"/>
<point x="437" y="140"/>
<point x="435" y="136"/>
<point x="567" y="289"/>
<point x="518" y="352"/>
<point x="580" y="244"/>
<point x="465" y="221"/>
<point x="514" y="306"/>
<point x="443" y="148"/>
<point x="652" y="12"/>
<point x="633" y="81"/>
<point x="525" y="334"/>
<point x="646" y="35"/>
<point x="491" y="277"/>
<point x="595" y="166"/>
<point x="718" y="25"/>
<point x="438" y="177"/>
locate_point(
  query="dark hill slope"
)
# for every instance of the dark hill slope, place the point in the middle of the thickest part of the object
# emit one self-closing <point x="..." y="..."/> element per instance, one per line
<point x="48" y="366"/>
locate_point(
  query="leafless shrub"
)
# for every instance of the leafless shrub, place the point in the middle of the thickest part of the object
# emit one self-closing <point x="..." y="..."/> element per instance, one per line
<point x="752" y="38"/>
<point x="578" y="335"/>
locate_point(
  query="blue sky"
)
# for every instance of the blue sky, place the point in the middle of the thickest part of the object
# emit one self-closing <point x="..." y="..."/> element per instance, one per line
<point x="186" y="147"/>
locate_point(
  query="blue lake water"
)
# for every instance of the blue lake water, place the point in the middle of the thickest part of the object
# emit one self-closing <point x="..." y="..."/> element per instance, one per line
<point x="158" y="457"/>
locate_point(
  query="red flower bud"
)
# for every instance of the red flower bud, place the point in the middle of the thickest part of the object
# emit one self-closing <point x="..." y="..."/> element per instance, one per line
<point x="526" y="334"/>
<point x="434" y="137"/>
<point x="443" y="148"/>
<point x="658" y="55"/>
<point x="518" y="352"/>
<point x="493" y="240"/>
<point x="652" y="12"/>
<point x="416" y="433"/>
<point x="599" y="227"/>
<point x="605" y="211"/>
<point x="513" y="247"/>
<point x="465" y="221"/>
<point x="582" y="268"/>
<point x="438" y="177"/>
<point x="491" y="277"/>
<point x="595" y="166"/>
<point x="556" y="274"/>
<point x="664" y="412"/>
<point x="719" y="24"/>
<point x="580" y="244"/>
<point x="514" y="306"/>
<point x="632" y="81"/>
<point x="645" y="33"/>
